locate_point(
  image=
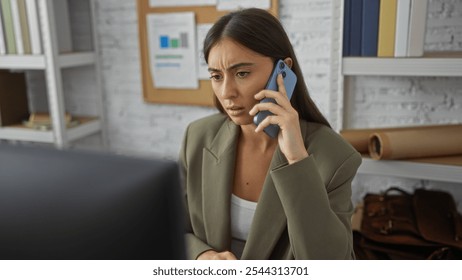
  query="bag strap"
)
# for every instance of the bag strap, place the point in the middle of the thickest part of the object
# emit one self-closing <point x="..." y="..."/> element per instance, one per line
<point x="393" y="222"/>
<point x="382" y="197"/>
<point x="397" y="189"/>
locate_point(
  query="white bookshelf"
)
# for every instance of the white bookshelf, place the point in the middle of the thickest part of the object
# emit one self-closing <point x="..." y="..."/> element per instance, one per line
<point x="432" y="64"/>
<point x="37" y="62"/>
<point x="21" y="133"/>
<point x="52" y="62"/>
<point x="438" y="64"/>
<point x="414" y="170"/>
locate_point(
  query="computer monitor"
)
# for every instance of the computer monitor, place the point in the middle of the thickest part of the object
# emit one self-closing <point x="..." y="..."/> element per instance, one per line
<point x="75" y="205"/>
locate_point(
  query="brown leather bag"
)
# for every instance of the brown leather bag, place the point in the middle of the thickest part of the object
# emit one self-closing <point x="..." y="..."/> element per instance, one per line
<point x="400" y="225"/>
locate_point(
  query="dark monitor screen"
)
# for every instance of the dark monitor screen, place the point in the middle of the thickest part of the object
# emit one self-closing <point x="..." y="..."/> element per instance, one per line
<point x="76" y="205"/>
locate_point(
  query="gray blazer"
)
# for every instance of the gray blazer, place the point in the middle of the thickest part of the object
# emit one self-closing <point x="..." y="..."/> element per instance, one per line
<point x="304" y="209"/>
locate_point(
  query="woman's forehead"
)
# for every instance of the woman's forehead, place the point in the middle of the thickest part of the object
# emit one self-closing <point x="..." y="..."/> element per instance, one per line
<point x="229" y="52"/>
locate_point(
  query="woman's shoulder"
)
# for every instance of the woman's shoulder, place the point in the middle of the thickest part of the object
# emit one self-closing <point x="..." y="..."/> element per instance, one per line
<point x="215" y="120"/>
<point x="209" y="124"/>
<point x="205" y="129"/>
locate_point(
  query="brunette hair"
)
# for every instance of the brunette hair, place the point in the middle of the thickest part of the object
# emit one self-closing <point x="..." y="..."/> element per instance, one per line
<point x="260" y="31"/>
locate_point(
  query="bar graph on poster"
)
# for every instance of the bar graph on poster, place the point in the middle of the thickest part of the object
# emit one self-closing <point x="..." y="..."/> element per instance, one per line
<point x="172" y="50"/>
<point x="173" y="43"/>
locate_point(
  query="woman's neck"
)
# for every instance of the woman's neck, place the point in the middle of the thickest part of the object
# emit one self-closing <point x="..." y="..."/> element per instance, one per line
<point x="259" y="140"/>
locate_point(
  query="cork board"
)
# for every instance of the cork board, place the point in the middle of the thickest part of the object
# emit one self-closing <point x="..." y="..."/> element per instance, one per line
<point x="203" y="95"/>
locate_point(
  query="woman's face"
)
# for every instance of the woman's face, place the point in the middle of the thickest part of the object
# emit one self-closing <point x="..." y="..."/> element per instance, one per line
<point x="237" y="74"/>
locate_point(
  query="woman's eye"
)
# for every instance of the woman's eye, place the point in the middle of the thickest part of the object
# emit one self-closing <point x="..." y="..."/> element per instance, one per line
<point x="242" y="74"/>
<point x="215" y="77"/>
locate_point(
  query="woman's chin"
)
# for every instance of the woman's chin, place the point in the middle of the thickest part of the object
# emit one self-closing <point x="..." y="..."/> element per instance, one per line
<point x="241" y="120"/>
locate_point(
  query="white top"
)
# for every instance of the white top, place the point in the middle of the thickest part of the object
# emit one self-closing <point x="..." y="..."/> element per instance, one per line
<point x="242" y="212"/>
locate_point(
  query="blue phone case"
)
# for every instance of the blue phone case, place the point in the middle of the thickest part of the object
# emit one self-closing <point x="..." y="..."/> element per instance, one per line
<point x="290" y="80"/>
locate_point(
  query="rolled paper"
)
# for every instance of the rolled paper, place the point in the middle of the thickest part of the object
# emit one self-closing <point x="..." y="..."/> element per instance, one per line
<point x="359" y="138"/>
<point x="434" y="141"/>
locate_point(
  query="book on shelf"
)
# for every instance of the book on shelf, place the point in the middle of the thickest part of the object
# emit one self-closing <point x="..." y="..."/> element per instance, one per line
<point x="21" y="26"/>
<point x="370" y="27"/>
<point x="2" y="34"/>
<point x="14" y="107"/>
<point x="355" y="27"/>
<point x="17" y="26"/>
<point x="45" y="118"/>
<point x="24" y="26"/>
<point x="387" y="28"/>
<point x="346" y="27"/>
<point x="417" y="27"/>
<point x="34" y="29"/>
<point x="43" y="121"/>
<point x="8" y="27"/>
<point x="403" y="12"/>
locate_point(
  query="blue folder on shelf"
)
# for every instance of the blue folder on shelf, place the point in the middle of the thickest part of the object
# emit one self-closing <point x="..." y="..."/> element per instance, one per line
<point x="370" y="27"/>
<point x="355" y="27"/>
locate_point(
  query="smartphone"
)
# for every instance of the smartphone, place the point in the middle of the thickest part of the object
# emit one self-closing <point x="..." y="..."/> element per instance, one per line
<point x="290" y="79"/>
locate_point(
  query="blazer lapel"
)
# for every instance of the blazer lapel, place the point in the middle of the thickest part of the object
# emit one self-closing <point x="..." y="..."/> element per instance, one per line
<point x="218" y="171"/>
<point x="269" y="221"/>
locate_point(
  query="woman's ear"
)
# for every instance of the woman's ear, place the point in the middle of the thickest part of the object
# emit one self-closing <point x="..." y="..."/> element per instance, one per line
<point x="288" y="61"/>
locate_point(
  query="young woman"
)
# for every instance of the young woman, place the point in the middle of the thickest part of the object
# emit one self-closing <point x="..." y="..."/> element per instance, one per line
<point x="250" y="196"/>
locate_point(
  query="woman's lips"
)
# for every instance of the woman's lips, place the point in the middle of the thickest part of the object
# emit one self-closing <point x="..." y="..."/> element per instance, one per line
<point x="235" y="110"/>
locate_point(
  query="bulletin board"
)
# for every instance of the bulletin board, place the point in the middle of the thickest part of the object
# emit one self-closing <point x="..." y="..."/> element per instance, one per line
<point x="203" y="95"/>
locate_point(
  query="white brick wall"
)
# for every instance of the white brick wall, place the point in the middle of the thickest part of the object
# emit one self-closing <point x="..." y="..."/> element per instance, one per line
<point x="415" y="100"/>
<point x="134" y="126"/>
<point x="308" y="22"/>
<point x="308" y="25"/>
<point x="139" y="128"/>
<point x="400" y="101"/>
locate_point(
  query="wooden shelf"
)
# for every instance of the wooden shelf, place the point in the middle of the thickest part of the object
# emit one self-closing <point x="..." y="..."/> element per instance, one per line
<point x="414" y="170"/>
<point x="87" y="126"/>
<point x="37" y="62"/>
<point x="447" y="64"/>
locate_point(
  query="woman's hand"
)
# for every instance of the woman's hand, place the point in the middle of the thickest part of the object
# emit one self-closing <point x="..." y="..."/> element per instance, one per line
<point x="213" y="255"/>
<point x="286" y="117"/>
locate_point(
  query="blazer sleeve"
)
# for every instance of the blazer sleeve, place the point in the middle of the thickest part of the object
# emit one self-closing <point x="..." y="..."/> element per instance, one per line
<point x="194" y="245"/>
<point x="318" y="212"/>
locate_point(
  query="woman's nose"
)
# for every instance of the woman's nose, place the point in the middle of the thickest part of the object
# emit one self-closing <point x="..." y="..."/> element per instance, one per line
<point x="229" y="89"/>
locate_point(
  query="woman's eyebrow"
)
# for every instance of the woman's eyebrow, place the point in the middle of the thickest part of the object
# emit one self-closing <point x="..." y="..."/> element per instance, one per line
<point x="234" y="66"/>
